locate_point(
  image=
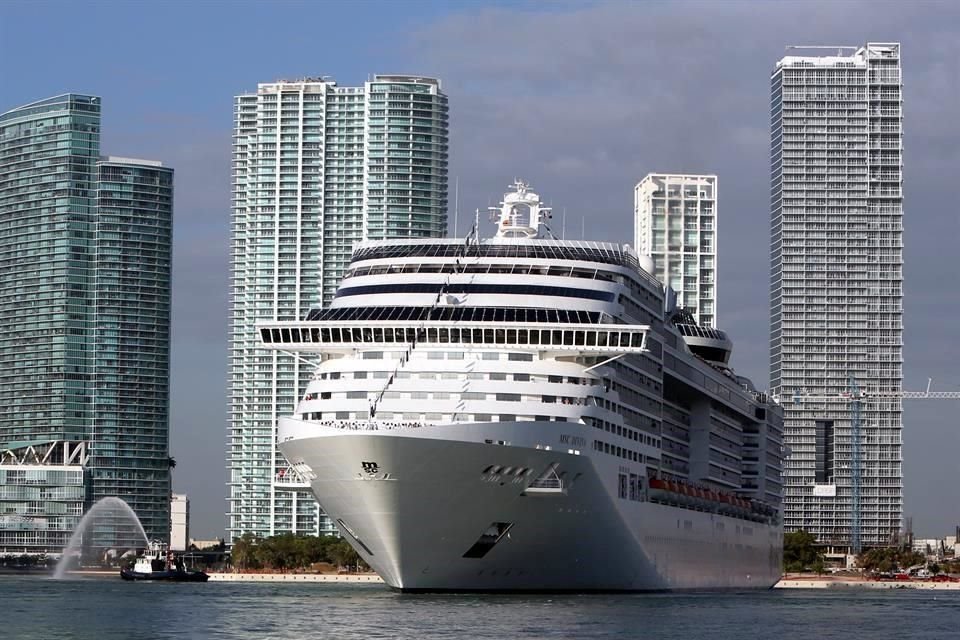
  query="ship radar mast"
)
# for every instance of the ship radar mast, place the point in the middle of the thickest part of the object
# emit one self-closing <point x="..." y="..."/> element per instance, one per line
<point x="520" y="214"/>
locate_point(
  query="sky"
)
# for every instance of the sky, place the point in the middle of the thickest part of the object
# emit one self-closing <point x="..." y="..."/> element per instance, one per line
<point x="580" y="98"/>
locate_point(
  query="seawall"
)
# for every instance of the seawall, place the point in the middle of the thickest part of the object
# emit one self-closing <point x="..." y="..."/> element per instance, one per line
<point x="867" y="584"/>
<point x="370" y="578"/>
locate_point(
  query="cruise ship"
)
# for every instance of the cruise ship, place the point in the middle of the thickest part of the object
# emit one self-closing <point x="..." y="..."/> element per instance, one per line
<point x="522" y="413"/>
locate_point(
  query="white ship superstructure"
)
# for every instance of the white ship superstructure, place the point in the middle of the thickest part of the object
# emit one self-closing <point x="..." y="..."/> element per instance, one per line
<point x="519" y="413"/>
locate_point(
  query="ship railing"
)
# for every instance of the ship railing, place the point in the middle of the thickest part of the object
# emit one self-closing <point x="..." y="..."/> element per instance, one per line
<point x="348" y="336"/>
<point x="368" y="425"/>
<point x="547" y="483"/>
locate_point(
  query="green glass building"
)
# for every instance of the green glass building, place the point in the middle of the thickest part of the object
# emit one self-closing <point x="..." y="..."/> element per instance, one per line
<point x="317" y="168"/>
<point x="85" y="252"/>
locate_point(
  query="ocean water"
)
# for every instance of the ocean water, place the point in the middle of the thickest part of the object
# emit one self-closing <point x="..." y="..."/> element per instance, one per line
<point x="104" y="609"/>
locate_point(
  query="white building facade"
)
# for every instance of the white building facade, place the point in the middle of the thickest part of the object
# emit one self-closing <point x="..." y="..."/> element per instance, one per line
<point x="179" y="522"/>
<point x="316" y="168"/>
<point x="675" y="223"/>
<point x="836" y="296"/>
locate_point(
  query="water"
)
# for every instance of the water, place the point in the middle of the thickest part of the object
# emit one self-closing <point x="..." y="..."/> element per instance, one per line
<point x="36" y="608"/>
<point x="110" y="512"/>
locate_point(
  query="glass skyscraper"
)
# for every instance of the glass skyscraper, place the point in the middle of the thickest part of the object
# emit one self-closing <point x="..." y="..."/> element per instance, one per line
<point x="836" y="293"/>
<point x="84" y="317"/>
<point x="316" y="169"/>
<point x="131" y="361"/>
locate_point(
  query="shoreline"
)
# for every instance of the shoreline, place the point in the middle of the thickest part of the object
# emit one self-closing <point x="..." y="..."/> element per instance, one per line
<point x="297" y="577"/>
<point x="787" y="582"/>
<point x="854" y="583"/>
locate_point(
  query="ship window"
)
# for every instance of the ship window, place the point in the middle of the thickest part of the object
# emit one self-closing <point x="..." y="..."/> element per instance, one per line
<point x="378" y="335"/>
<point x="522" y="336"/>
<point x="520" y="357"/>
<point x="511" y="336"/>
<point x="578" y="338"/>
<point x="568" y="338"/>
<point x="276" y="335"/>
<point x="489" y="355"/>
<point x="591" y="338"/>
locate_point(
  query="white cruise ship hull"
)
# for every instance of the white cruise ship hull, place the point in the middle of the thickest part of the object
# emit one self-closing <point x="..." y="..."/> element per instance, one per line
<point x="413" y="502"/>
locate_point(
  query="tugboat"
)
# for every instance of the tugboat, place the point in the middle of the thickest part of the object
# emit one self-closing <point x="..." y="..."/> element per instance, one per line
<point x="157" y="563"/>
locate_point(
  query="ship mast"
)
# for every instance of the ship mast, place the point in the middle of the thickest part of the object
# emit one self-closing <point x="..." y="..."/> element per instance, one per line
<point x="509" y="216"/>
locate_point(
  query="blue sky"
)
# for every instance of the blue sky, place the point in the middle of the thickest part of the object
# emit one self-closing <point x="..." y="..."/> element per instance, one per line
<point x="583" y="99"/>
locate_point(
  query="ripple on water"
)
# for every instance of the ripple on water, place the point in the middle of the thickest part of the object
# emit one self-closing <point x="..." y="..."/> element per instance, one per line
<point x="108" y="608"/>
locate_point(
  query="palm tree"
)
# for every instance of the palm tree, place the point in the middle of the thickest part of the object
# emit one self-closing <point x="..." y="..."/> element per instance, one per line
<point x="171" y="462"/>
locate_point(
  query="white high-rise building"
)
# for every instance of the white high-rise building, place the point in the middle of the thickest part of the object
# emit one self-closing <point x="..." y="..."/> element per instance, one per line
<point x="675" y="223"/>
<point x="836" y="296"/>
<point x="316" y="169"/>
<point x="179" y="522"/>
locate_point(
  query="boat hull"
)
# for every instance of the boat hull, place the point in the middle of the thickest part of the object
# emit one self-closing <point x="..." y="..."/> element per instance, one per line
<point x="165" y="576"/>
<point x="416" y="505"/>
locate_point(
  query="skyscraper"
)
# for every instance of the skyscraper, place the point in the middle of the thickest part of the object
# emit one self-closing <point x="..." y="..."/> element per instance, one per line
<point x="675" y="222"/>
<point x="836" y="297"/>
<point x="316" y="169"/>
<point x="84" y="324"/>
<point x="131" y="347"/>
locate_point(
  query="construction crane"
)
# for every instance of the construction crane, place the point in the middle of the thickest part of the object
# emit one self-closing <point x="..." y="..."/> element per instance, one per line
<point x="856" y="397"/>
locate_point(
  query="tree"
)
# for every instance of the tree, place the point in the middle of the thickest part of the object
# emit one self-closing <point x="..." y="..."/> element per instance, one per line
<point x="342" y="554"/>
<point x="818" y="566"/>
<point x="934" y="568"/>
<point x="799" y="551"/>
<point x="243" y="554"/>
<point x="889" y="559"/>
